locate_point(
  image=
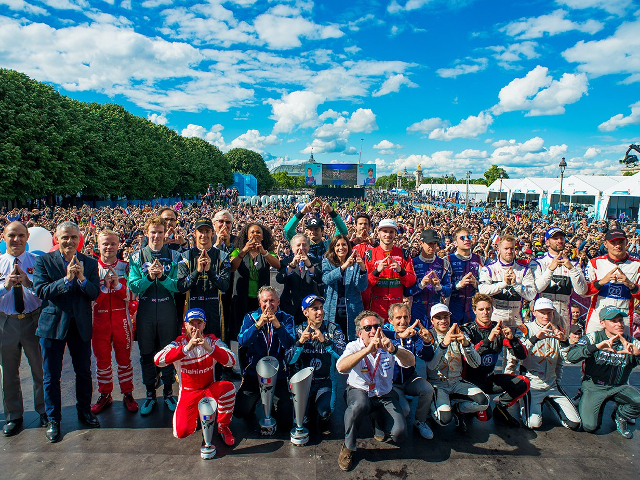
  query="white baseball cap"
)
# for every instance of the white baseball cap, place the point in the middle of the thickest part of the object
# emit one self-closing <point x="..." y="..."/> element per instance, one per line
<point x="439" y="308"/>
<point x="543" y="304"/>
<point x="388" y="222"/>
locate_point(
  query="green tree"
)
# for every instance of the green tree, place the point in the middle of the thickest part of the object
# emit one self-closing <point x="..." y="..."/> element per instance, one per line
<point x="493" y="174"/>
<point x="247" y="161"/>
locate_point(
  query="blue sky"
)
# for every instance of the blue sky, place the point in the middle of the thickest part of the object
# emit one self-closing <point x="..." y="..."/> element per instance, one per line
<point x="455" y="85"/>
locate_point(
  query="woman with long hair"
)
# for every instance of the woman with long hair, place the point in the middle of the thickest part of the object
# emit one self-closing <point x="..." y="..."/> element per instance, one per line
<point x="251" y="260"/>
<point x="345" y="277"/>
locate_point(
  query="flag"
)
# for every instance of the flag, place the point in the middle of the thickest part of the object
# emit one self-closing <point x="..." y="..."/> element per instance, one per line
<point x="126" y="211"/>
<point x="349" y="218"/>
<point x="92" y="224"/>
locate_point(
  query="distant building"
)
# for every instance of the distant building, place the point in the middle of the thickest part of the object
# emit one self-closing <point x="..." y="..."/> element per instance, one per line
<point x="295" y="170"/>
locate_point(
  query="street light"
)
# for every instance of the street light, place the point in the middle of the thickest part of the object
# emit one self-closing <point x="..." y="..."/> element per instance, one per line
<point x="501" y="177"/>
<point x="466" y="202"/>
<point x="562" y="165"/>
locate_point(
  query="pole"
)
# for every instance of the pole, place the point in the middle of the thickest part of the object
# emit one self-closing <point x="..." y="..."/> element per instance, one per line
<point x="562" y="165"/>
<point x="466" y="202"/>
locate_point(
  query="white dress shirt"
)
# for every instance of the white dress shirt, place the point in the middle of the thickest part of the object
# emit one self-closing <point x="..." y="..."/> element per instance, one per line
<point x="26" y="262"/>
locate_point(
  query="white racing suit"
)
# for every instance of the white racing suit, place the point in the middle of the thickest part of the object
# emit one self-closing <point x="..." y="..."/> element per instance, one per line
<point x="543" y="369"/>
<point x="507" y="299"/>
<point x="557" y="285"/>
<point x="611" y="294"/>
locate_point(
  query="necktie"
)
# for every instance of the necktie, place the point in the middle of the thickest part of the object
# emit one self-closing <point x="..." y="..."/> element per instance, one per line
<point x="18" y="294"/>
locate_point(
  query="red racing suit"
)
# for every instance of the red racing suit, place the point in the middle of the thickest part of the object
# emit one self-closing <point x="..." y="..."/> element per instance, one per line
<point x="611" y="294"/>
<point x="111" y="327"/>
<point x="385" y="288"/>
<point x="195" y="369"/>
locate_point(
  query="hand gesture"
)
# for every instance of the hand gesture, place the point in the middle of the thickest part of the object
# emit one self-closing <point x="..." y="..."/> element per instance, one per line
<point x="558" y="260"/>
<point x="359" y="261"/>
<point x="410" y="331"/>
<point x="171" y="232"/>
<point x="318" y="335"/>
<point x="510" y="276"/>
<point x="382" y="264"/>
<point x="263" y="319"/>
<point x="607" y="345"/>
<point x="393" y="265"/>
<point x="308" y="208"/>
<point x="496" y="331"/>
<point x="306" y="335"/>
<point x="71" y="269"/>
<point x="460" y="337"/>
<point x="385" y="342"/>
<point x="195" y="341"/>
<point x="507" y="332"/>
<point x="374" y="343"/>
<point x="450" y="335"/>
<point x="545" y="332"/>
<point x="349" y="261"/>
<point x="629" y="347"/>
<point x="426" y="280"/>
<point x="435" y="281"/>
<point x="274" y="320"/>
<point x="204" y="262"/>
<point x="223" y="237"/>
<point x="566" y="261"/>
<point x="609" y="277"/>
<point x="468" y="279"/>
<point x="559" y="333"/>
<point x="326" y="207"/>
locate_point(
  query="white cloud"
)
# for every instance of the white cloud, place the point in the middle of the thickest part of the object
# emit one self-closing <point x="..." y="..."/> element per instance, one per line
<point x="282" y="27"/>
<point x="395" y="7"/>
<point x="529" y="154"/>
<point x="157" y="119"/>
<point x="511" y="54"/>
<point x="385" y="147"/>
<point x="334" y="137"/>
<point x="472" y="154"/>
<point x="427" y="125"/>
<point x="617" y="7"/>
<point x="213" y="135"/>
<point x="619" y="120"/>
<point x="474" y="65"/>
<point x="393" y="84"/>
<point x="22" y="6"/>
<point x="295" y="110"/>
<point x="617" y="54"/>
<point x="552" y="24"/>
<point x="156" y="3"/>
<point x="592" y="152"/>
<point x="470" y="127"/>
<point x="539" y="94"/>
<point x="252" y="140"/>
<point x="66" y="4"/>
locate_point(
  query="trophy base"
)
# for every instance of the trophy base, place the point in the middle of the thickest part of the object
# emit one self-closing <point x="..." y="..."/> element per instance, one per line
<point x="267" y="426"/>
<point x="207" y="452"/>
<point x="299" y="436"/>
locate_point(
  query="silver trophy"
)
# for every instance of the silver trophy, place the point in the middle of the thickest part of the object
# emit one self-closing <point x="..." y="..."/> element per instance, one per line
<point x="267" y="370"/>
<point x="207" y="408"/>
<point x="299" y="386"/>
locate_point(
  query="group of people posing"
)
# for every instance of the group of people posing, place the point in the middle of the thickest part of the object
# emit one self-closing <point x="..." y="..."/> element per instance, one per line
<point x="360" y="310"/>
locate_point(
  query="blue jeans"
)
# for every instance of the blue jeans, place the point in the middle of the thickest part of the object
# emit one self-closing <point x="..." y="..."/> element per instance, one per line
<point x="52" y="356"/>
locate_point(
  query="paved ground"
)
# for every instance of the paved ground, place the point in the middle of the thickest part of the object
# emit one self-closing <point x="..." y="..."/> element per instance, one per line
<point x="131" y="447"/>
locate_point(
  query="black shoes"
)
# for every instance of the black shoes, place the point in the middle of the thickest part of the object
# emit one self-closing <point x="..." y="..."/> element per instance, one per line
<point x="53" y="431"/>
<point x="12" y="427"/>
<point x="502" y="415"/>
<point x="88" y="418"/>
<point x="44" y="420"/>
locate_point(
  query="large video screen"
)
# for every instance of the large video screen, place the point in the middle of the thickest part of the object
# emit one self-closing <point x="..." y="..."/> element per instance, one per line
<point x="367" y="174"/>
<point x="340" y="174"/>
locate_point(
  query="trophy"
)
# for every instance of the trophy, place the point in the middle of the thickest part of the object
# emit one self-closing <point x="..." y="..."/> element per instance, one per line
<point x="267" y="370"/>
<point x="299" y="386"/>
<point x="207" y="408"/>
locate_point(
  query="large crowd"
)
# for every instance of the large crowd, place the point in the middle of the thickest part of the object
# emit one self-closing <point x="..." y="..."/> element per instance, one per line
<point x="356" y="289"/>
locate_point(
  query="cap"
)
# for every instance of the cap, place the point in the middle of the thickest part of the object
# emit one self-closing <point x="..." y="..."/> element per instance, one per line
<point x="195" y="314"/>
<point x="314" y="222"/>
<point x="528" y="251"/>
<point x="607" y="313"/>
<point x="439" y="308"/>
<point x="204" y="222"/>
<point x="388" y="223"/>
<point x="543" y="304"/>
<point x="551" y="232"/>
<point x="615" y="233"/>
<point x="429" y="236"/>
<point x="309" y="299"/>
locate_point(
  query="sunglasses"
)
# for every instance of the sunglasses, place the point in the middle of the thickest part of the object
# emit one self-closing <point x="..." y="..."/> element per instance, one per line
<point x="367" y="328"/>
<point x="464" y="238"/>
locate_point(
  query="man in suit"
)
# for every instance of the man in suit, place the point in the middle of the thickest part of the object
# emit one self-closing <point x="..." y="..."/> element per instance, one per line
<point x="19" y="312"/>
<point x="67" y="282"/>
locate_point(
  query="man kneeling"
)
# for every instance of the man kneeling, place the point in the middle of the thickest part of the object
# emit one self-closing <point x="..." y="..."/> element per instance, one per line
<point x="370" y="362"/>
<point x="195" y="357"/>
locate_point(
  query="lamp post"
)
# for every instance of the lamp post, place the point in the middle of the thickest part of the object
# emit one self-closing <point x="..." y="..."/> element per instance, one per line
<point x="500" y="197"/>
<point x="446" y="188"/>
<point x="562" y="165"/>
<point x="466" y="201"/>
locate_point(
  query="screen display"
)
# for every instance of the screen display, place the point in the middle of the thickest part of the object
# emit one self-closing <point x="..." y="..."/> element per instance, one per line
<point x="340" y="174"/>
<point x="312" y="174"/>
<point x="367" y="174"/>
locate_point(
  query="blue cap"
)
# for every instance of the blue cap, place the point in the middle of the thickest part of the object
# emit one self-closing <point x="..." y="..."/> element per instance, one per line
<point x="195" y="314"/>
<point x="309" y="299"/>
<point x="610" y="312"/>
<point x="551" y="232"/>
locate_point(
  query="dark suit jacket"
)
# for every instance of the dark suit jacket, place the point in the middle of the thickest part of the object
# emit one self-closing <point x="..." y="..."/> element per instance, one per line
<point x="61" y="303"/>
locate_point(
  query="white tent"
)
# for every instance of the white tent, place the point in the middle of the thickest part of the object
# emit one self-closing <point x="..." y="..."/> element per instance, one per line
<point x="533" y="190"/>
<point x="623" y="197"/>
<point x="503" y="189"/>
<point x="477" y="193"/>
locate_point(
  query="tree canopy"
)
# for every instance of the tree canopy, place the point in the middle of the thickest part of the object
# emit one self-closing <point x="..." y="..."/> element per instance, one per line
<point x="53" y="145"/>
<point x="494" y="173"/>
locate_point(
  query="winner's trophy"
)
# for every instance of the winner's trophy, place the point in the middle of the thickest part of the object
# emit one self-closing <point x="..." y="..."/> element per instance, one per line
<point x="207" y="408"/>
<point x="267" y="370"/>
<point x="299" y="386"/>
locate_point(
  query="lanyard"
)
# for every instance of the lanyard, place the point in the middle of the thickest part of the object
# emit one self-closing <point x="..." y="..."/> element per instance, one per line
<point x="372" y="371"/>
<point x="268" y="339"/>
